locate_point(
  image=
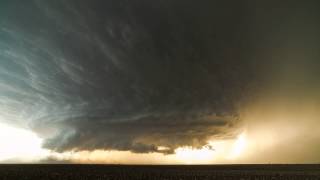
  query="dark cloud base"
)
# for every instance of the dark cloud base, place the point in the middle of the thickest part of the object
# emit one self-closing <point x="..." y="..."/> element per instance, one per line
<point x="128" y="75"/>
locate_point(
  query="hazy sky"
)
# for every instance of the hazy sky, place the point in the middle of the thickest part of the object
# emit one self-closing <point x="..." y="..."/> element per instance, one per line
<point x="119" y="81"/>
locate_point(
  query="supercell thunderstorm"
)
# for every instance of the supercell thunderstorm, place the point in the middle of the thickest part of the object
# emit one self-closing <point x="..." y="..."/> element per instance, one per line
<point x="128" y="76"/>
<point x="119" y="75"/>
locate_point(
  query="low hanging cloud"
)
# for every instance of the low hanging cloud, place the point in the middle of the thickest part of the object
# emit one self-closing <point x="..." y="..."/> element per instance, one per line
<point x="119" y="75"/>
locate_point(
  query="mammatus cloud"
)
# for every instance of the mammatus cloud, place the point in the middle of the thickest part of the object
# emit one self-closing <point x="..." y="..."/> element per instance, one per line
<point x="118" y="75"/>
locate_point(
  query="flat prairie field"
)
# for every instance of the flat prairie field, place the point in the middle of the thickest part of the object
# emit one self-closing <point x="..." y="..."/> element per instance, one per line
<point x="159" y="172"/>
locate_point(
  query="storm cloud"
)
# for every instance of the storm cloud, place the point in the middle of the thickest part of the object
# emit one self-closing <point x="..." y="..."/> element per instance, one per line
<point x="134" y="75"/>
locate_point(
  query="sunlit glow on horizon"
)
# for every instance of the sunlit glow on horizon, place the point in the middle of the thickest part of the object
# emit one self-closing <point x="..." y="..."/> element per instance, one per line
<point x="238" y="146"/>
<point x="25" y="146"/>
<point x="191" y="155"/>
<point x="19" y="144"/>
<point x="216" y="151"/>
